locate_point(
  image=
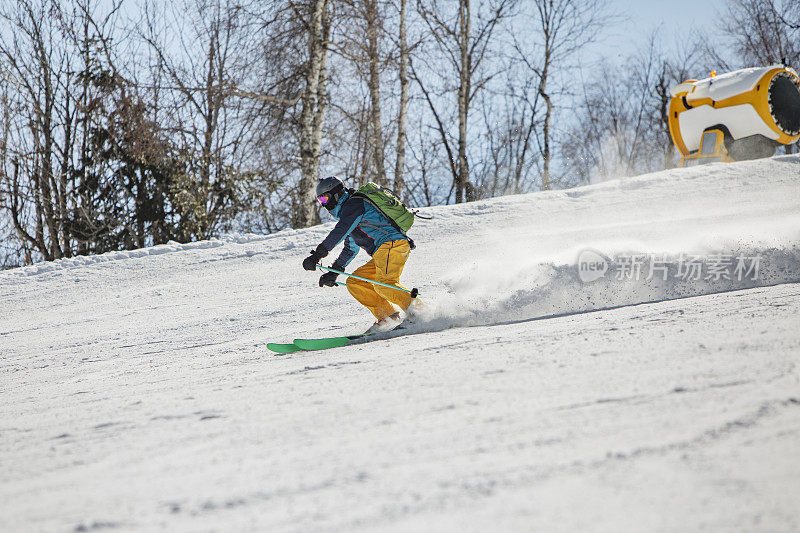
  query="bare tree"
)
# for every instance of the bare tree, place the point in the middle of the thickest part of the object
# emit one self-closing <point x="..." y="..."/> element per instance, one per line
<point x="316" y="19"/>
<point x="362" y="47"/>
<point x="63" y="172"/>
<point x="373" y="19"/>
<point x="207" y="119"/>
<point x="509" y="123"/>
<point x="763" y="32"/>
<point x="465" y="48"/>
<point x="620" y="126"/>
<point x="402" y="114"/>
<point x="565" y="27"/>
<point x="36" y="65"/>
<point x="14" y="246"/>
<point x="425" y="189"/>
<point x="369" y="49"/>
<point x="758" y="33"/>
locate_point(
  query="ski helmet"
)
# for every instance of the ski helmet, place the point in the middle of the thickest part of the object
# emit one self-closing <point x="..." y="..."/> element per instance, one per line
<point x="329" y="191"/>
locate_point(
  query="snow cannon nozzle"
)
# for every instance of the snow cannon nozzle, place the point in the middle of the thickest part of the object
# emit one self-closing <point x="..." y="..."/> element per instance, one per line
<point x="414" y="292"/>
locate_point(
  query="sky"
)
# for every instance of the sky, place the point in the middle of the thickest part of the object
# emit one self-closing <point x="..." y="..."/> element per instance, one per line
<point x="676" y="17"/>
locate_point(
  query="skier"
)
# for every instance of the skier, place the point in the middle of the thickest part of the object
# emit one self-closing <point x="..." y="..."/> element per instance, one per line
<point x="362" y="225"/>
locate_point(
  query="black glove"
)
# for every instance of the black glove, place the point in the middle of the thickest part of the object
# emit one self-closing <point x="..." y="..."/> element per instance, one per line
<point x="310" y="262"/>
<point x="328" y="279"/>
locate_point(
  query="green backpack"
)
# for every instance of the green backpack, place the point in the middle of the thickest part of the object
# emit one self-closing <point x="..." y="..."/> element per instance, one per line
<point x="385" y="201"/>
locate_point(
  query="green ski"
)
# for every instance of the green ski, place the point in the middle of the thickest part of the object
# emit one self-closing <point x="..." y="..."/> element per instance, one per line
<point x="313" y="344"/>
<point x="324" y="344"/>
<point x="283" y="348"/>
<point x="330" y="342"/>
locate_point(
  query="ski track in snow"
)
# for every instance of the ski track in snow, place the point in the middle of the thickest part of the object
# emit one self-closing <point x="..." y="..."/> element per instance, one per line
<point x="138" y="394"/>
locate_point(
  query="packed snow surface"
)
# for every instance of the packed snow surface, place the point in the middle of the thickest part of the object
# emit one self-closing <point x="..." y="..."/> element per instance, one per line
<point x="553" y="386"/>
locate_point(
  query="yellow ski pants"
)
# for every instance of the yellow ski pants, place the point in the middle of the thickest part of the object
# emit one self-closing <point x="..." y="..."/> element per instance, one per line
<point x="385" y="266"/>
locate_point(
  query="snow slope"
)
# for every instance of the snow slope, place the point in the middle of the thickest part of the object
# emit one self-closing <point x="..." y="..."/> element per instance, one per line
<point x="138" y="395"/>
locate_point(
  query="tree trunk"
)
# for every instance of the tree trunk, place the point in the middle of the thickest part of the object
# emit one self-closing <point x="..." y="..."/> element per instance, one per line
<point x="210" y="113"/>
<point x="664" y="96"/>
<point x="63" y="213"/>
<point x="37" y="200"/>
<point x="546" y="125"/>
<point x="15" y="200"/>
<point x="464" y="189"/>
<point x="46" y="181"/>
<point x="82" y="203"/>
<point x="376" y="129"/>
<point x="312" y="115"/>
<point x="399" y="183"/>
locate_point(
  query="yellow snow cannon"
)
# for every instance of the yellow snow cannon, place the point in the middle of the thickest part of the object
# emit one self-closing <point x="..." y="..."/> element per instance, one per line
<point x="736" y="116"/>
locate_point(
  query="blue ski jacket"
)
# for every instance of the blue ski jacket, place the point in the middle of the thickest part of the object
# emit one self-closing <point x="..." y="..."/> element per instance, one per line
<point x="361" y="225"/>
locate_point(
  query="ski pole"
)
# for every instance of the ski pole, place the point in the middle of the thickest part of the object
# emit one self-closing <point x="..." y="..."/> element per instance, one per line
<point x="413" y="292"/>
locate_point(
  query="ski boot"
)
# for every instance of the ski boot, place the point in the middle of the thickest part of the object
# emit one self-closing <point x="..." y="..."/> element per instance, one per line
<point x="384" y="324"/>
